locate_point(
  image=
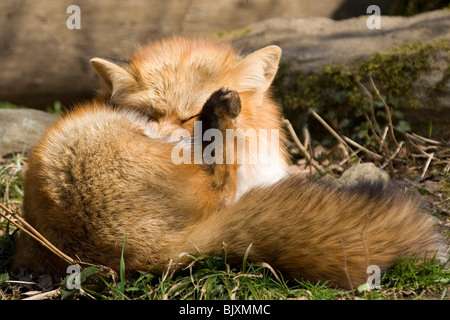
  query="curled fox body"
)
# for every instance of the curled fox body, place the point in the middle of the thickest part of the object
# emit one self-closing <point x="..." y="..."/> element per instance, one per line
<point x="104" y="172"/>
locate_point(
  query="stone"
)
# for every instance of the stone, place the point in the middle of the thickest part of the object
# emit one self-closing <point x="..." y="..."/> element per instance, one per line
<point x="43" y="61"/>
<point x="363" y="172"/>
<point x="21" y="129"/>
<point x="317" y="51"/>
<point x="316" y="42"/>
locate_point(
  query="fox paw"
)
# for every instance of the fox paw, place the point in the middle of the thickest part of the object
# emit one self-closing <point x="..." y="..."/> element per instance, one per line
<point x="223" y="103"/>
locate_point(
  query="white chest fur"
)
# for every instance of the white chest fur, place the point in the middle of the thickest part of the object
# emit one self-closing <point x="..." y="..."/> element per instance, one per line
<point x="267" y="171"/>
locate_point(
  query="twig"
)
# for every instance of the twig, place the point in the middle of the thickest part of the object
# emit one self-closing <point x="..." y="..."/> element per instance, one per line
<point x="357" y="145"/>
<point x="383" y="138"/>
<point x="27" y="228"/>
<point x="345" y="266"/>
<point x="394" y="154"/>
<point x="375" y="130"/>
<point x="386" y="150"/>
<point x="372" y="129"/>
<point x="388" y="111"/>
<point x="372" y="110"/>
<point x="411" y="138"/>
<point x="33" y="233"/>
<point x="430" y="141"/>
<point x="364" y="241"/>
<point x="334" y="133"/>
<point x="427" y="165"/>
<point x="307" y="136"/>
<point x="45" y="295"/>
<point x="344" y="161"/>
<point x="303" y="150"/>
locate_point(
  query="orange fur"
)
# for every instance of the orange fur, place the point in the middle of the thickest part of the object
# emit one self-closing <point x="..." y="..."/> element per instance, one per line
<point x="315" y="231"/>
<point x="104" y="172"/>
<point x="171" y="79"/>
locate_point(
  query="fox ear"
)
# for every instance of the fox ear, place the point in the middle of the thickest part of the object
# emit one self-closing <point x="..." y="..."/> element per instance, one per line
<point x="256" y="71"/>
<point x="113" y="73"/>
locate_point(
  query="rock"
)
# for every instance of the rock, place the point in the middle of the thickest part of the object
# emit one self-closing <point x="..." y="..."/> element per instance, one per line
<point x="362" y="172"/>
<point x="316" y="42"/>
<point x="338" y="153"/>
<point x="323" y="59"/>
<point x="20" y="129"/>
<point x="43" y="61"/>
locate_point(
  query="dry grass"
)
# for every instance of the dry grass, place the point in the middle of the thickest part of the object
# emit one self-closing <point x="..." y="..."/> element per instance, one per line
<point x="423" y="164"/>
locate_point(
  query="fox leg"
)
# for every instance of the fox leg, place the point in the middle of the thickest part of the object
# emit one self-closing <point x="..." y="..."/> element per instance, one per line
<point x="219" y="112"/>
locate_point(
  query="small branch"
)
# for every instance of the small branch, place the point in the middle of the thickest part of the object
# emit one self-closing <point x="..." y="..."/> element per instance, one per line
<point x="303" y="150"/>
<point x="394" y="154"/>
<point x="377" y="138"/>
<point x="364" y="241"/>
<point x="372" y="110"/>
<point x="411" y="138"/>
<point x="27" y="228"/>
<point x="354" y="154"/>
<point x="334" y="133"/>
<point x="345" y="266"/>
<point x="388" y="112"/>
<point x="45" y="295"/>
<point x="383" y="138"/>
<point x="33" y="233"/>
<point x="430" y="141"/>
<point x="400" y="145"/>
<point x="307" y="136"/>
<point x="423" y="141"/>
<point x="427" y="164"/>
<point x="360" y="147"/>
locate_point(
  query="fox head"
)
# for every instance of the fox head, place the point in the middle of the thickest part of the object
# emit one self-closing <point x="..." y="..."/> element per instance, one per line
<point x="169" y="81"/>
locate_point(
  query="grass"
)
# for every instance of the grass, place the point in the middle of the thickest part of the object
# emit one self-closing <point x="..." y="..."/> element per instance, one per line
<point x="11" y="194"/>
<point x="212" y="278"/>
<point x="55" y="109"/>
<point x="208" y="278"/>
<point x="415" y="279"/>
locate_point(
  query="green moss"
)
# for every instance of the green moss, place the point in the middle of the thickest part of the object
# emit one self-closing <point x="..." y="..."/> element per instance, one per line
<point x="440" y="87"/>
<point x="335" y="94"/>
<point x="412" y="7"/>
<point x="399" y="69"/>
<point x="229" y="35"/>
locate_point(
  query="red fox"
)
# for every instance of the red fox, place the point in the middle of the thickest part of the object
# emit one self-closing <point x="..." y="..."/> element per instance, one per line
<point x="105" y="171"/>
<point x="169" y="81"/>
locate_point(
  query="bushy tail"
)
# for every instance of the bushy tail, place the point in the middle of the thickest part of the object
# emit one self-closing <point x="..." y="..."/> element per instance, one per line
<point x="319" y="232"/>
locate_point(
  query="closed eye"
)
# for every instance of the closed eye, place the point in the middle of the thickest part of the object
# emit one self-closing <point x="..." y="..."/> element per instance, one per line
<point x="186" y="120"/>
